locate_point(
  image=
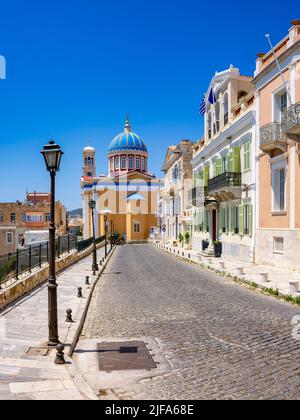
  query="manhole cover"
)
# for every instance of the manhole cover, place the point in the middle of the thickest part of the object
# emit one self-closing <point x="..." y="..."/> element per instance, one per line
<point x="124" y="356"/>
<point x="37" y="351"/>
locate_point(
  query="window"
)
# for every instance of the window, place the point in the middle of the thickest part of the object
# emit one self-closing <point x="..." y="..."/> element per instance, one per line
<point x="280" y="100"/>
<point x="246" y="220"/>
<point x="117" y="163"/>
<point x="131" y="165"/>
<point x="224" y="164"/>
<point x="34" y="218"/>
<point x="111" y="164"/>
<point x="138" y="163"/>
<point x="9" y="238"/>
<point x="1" y="218"/>
<point x="13" y="217"/>
<point x="279" y="189"/>
<point x="143" y="164"/>
<point x="278" y="245"/>
<point x="48" y="217"/>
<point x="137" y="228"/>
<point x="123" y="162"/>
<point x="235" y="226"/>
<point x="225" y="109"/>
<point x="247" y="156"/>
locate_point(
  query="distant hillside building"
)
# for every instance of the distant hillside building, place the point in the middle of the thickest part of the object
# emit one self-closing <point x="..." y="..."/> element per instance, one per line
<point x="18" y="218"/>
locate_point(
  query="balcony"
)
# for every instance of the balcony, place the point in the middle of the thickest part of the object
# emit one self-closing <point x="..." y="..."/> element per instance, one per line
<point x="225" y="187"/>
<point x="272" y="139"/>
<point x="291" y="122"/>
<point x="197" y="196"/>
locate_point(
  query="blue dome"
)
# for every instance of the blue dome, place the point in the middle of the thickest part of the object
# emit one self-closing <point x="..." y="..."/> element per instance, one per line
<point x="127" y="141"/>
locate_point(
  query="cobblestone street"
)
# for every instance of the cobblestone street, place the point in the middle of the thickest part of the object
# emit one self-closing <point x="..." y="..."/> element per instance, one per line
<point x="222" y="340"/>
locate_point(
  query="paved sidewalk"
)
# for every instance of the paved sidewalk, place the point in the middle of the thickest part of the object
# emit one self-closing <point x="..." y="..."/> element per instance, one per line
<point x="277" y="279"/>
<point x="24" y="325"/>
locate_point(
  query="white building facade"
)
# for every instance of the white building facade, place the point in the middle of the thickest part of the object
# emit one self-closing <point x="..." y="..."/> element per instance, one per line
<point x="224" y="169"/>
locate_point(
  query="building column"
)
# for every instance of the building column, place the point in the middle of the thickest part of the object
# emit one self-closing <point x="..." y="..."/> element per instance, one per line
<point x="293" y="186"/>
<point x="101" y="223"/>
<point x="97" y="233"/>
<point x="129" y="223"/>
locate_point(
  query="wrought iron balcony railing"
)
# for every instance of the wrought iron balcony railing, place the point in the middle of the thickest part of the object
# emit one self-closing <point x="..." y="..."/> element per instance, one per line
<point x="272" y="137"/>
<point x="225" y="181"/>
<point x="291" y="119"/>
<point x="197" y="196"/>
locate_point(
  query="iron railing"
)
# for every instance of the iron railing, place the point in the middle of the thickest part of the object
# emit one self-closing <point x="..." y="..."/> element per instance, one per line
<point x="271" y="134"/>
<point x="197" y="196"/>
<point x="225" y="180"/>
<point x="13" y="265"/>
<point x="291" y="118"/>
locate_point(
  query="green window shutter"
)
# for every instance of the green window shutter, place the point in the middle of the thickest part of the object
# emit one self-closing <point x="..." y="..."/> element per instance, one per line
<point x="241" y="220"/>
<point x="232" y="211"/>
<point x="237" y="159"/>
<point x="231" y="163"/>
<point x="247" y="156"/>
<point x="219" y="167"/>
<point x="206" y="176"/>
<point x="250" y="220"/>
<point x="221" y="212"/>
<point x="227" y="220"/>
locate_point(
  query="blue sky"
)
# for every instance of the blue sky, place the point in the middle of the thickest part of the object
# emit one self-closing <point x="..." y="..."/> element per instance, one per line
<point x="75" y="68"/>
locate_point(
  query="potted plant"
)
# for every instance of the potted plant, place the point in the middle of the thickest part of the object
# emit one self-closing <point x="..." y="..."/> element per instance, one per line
<point x="187" y="238"/>
<point x="205" y="245"/>
<point x="181" y="238"/>
<point x="218" y="249"/>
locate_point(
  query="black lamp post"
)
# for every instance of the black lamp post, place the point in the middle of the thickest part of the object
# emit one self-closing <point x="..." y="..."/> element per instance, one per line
<point x="105" y="230"/>
<point x="52" y="154"/>
<point x="92" y="205"/>
<point x="111" y="235"/>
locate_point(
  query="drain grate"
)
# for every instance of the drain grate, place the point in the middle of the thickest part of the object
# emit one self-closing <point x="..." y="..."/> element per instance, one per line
<point x="124" y="356"/>
<point x="38" y="351"/>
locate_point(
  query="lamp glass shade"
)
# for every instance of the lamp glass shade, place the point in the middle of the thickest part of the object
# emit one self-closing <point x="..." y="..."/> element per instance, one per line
<point x="52" y="154"/>
<point x="92" y="204"/>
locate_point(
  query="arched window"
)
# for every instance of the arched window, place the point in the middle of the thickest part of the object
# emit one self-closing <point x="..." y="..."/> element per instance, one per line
<point x="123" y="163"/>
<point x="131" y="163"/>
<point x="209" y="123"/>
<point x="143" y="164"/>
<point x="225" y="109"/>
<point x="217" y="118"/>
<point x="138" y="163"/>
<point x="111" y="164"/>
<point x="117" y="163"/>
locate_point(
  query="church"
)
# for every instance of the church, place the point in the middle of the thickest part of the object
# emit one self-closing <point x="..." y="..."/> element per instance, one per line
<point x="127" y="197"/>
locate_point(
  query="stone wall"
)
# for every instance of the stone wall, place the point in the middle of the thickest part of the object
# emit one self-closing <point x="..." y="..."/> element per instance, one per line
<point x="37" y="278"/>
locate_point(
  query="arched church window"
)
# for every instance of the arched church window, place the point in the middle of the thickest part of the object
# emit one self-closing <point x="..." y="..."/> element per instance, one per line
<point x="131" y="163"/>
<point x="138" y="163"/>
<point x="117" y="163"/>
<point x="111" y="164"/>
<point x="123" y="162"/>
<point x="143" y="164"/>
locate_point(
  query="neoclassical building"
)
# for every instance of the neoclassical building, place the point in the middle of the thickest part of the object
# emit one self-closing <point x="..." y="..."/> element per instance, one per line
<point x="127" y="195"/>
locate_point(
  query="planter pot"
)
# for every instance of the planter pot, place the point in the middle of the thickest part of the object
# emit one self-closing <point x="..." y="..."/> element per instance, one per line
<point x="205" y="245"/>
<point x="218" y="250"/>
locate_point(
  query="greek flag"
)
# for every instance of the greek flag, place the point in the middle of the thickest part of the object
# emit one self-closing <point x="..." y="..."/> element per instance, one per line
<point x="212" y="97"/>
<point x="203" y="107"/>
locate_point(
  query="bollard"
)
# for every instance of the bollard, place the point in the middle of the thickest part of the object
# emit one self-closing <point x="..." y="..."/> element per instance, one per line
<point x="69" y="316"/>
<point x="60" y="356"/>
<point x="240" y="271"/>
<point x="87" y="281"/>
<point x="263" y="277"/>
<point x="79" y="295"/>
<point x="222" y="265"/>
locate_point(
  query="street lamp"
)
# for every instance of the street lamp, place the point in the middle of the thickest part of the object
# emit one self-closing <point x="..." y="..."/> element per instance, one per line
<point x="52" y="154"/>
<point x="92" y="205"/>
<point x="105" y="214"/>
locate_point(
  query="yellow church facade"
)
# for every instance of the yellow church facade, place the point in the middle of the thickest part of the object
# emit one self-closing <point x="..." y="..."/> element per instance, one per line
<point x="127" y="197"/>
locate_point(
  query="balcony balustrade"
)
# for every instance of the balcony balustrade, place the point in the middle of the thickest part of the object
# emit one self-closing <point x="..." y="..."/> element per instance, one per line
<point x="225" y="187"/>
<point x="291" y="122"/>
<point x="272" y="139"/>
<point x="197" y="196"/>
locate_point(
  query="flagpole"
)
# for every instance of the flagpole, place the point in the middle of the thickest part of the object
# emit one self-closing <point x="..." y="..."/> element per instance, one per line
<point x="268" y="36"/>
